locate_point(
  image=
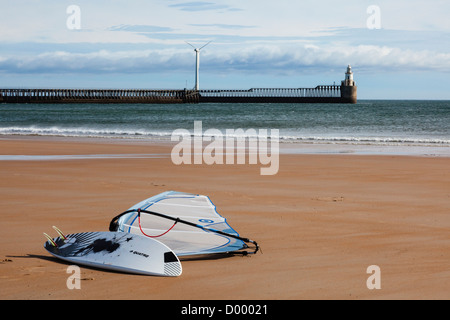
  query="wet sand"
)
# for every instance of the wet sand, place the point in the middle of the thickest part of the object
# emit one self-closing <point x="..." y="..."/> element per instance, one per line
<point x="321" y="222"/>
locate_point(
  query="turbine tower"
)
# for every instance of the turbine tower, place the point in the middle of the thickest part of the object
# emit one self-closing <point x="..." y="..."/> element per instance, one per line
<point x="197" y="64"/>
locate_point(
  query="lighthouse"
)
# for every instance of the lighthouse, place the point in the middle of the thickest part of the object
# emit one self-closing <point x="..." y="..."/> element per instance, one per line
<point x="348" y="87"/>
<point x="349" y="77"/>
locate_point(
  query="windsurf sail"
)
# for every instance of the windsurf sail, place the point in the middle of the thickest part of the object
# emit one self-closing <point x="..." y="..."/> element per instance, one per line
<point x="187" y="223"/>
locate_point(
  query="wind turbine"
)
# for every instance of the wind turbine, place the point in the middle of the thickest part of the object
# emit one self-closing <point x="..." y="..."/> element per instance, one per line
<point x="197" y="65"/>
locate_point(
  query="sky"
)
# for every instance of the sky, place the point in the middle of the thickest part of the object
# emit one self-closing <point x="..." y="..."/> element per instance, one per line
<point x="397" y="49"/>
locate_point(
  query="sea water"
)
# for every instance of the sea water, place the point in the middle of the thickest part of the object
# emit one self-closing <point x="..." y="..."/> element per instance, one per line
<point x="370" y="126"/>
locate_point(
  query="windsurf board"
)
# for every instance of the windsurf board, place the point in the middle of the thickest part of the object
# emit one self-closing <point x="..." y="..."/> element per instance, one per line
<point x="117" y="251"/>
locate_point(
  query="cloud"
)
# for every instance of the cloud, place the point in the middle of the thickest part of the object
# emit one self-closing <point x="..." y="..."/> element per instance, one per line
<point x="306" y="58"/>
<point x="102" y="61"/>
<point x="406" y="39"/>
<point x="140" y="28"/>
<point x="202" y="6"/>
<point x="224" y="26"/>
<point x="275" y="59"/>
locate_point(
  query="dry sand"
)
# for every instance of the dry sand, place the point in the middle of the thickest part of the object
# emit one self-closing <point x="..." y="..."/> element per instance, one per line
<point x="321" y="222"/>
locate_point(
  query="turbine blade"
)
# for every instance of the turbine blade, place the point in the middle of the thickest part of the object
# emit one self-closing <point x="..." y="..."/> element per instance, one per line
<point x="205" y="45"/>
<point x="190" y="45"/>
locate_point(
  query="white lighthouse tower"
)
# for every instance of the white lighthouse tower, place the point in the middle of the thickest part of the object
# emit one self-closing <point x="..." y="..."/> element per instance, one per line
<point x="349" y="77"/>
<point x="348" y="87"/>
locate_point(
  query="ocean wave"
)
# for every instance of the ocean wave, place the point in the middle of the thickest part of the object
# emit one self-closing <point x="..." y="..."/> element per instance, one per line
<point x="366" y="140"/>
<point x="82" y="132"/>
<point x="133" y="133"/>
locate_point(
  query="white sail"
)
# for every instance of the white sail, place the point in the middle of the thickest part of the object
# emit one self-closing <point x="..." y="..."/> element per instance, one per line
<point x="187" y="223"/>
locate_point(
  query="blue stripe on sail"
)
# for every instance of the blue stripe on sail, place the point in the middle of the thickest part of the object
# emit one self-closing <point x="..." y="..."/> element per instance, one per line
<point x="234" y="232"/>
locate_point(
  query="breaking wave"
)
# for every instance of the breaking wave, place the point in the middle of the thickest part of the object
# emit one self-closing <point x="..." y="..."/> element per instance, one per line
<point x="133" y="133"/>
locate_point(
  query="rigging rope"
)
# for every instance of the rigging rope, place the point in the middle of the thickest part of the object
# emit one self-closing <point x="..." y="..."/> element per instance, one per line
<point x="139" y="219"/>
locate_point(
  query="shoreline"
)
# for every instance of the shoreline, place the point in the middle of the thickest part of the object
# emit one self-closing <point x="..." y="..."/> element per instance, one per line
<point x="321" y="221"/>
<point x="317" y="148"/>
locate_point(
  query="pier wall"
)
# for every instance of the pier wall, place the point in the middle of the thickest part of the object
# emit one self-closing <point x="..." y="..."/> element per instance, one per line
<point x="349" y="94"/>
<point x="96" y="96"/>
<point x="319" y="94"/>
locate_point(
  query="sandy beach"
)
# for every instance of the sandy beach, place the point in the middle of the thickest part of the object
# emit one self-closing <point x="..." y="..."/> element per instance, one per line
<point x="321" y="222"/>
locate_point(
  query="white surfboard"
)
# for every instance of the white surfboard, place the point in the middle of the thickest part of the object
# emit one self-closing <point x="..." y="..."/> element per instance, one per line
<point x="116" y="251"/>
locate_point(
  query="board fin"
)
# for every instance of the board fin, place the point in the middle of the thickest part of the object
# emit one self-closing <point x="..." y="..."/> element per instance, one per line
<point x="60" y="233"/>
<point x="50" y="240"/>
